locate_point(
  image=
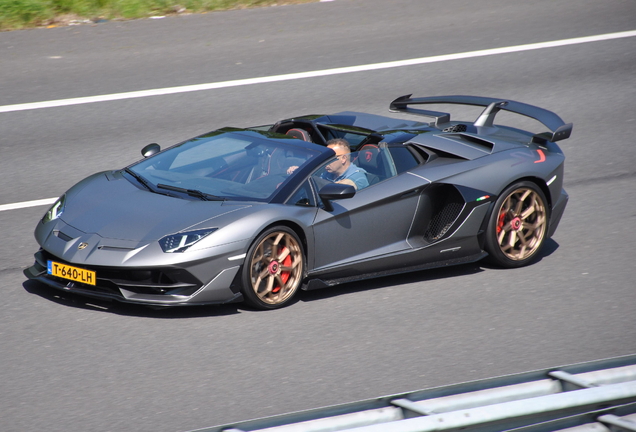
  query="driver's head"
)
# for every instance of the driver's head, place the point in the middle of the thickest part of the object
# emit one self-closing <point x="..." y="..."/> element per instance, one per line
<point x="342" y="149"/>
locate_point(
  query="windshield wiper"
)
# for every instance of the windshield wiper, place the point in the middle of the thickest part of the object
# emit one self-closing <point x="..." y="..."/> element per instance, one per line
<point x="139" y="178"/>
<point x="192" y="192"/>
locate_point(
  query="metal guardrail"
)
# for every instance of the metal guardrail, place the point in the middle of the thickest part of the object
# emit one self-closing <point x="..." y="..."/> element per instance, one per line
<point x="597" y="396"/>
<point x="620" y="418"/>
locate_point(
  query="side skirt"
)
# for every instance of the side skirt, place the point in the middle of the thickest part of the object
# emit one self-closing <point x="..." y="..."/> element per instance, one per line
<point x="313" y="284"/>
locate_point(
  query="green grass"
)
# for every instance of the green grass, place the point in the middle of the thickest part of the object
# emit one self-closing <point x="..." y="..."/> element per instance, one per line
<point x="18" y="14"/>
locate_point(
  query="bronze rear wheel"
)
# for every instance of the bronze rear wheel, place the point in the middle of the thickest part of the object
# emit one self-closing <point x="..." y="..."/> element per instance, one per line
<point x="518" y="225"/>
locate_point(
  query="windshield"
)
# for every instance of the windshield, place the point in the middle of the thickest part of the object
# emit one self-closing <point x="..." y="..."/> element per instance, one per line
<point x="225" y="165"/>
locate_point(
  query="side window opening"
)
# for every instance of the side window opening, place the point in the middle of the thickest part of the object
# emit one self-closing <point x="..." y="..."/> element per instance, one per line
<point x="303" y="196"/>
<point x="403" y="159"/>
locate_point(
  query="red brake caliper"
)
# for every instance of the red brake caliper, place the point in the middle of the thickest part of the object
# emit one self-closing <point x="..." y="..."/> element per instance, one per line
<point x="501" y="221"/>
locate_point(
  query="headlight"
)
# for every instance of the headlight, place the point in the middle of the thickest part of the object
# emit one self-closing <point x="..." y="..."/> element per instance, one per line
<point x="56" y="210"/>
<point x="182" y="241"/>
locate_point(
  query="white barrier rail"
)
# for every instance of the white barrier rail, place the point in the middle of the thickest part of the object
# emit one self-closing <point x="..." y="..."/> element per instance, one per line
<point x="594" y="396"/>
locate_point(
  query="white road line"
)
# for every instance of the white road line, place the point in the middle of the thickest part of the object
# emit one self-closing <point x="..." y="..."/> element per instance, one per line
<point x="25" y="204"/>
<point x="293" y="76"/>
<point x="312" y="74"/>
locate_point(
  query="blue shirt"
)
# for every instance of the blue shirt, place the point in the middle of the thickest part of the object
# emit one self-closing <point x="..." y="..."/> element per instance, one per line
<point x="353" y="173"/>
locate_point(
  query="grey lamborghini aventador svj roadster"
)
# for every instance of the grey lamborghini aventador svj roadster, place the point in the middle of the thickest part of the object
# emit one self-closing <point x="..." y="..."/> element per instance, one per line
<point x="256" y="214"/>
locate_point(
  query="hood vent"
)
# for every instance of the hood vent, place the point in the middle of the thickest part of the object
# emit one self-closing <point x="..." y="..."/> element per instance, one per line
<point x="61" y="235"/>
<point x="115" y="248"/>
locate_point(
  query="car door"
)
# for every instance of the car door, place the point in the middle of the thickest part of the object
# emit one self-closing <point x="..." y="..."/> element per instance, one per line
<point x="362" y="230"/>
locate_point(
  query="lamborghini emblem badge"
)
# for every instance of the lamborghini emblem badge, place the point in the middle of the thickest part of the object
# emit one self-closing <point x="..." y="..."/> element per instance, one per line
<point x="82" y="246"/>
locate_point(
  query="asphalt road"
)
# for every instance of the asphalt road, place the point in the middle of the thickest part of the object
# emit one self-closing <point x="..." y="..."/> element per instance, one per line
<point x="68" y="365"/>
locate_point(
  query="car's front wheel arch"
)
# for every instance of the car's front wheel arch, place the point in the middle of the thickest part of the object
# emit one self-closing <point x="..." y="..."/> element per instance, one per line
<point x="294" y="227"/>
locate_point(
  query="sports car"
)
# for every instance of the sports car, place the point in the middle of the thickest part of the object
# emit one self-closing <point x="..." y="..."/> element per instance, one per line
<point x="252" y="214"/>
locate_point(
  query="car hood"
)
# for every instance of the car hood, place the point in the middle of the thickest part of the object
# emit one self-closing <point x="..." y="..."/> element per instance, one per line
<point x="109" y="205"/>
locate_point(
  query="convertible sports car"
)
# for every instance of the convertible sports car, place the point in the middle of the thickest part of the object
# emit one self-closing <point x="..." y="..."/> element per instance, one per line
<point x="250" y="214"/>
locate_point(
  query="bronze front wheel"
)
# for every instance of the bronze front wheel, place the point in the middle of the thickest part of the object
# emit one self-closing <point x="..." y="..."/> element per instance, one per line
<point x="518" y="225"/>
<point x="273" y="269"/>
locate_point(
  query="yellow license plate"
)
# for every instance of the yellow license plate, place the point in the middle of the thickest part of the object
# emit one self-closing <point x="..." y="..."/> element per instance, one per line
<point x="71" y="273"/>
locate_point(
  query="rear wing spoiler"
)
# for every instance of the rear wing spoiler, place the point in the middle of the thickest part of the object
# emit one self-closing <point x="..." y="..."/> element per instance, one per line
<point x="559" y="130"/>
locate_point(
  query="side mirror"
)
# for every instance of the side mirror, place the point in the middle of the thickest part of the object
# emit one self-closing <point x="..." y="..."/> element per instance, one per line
<point x="150" y="149"/>
<point x="334" y="191"/>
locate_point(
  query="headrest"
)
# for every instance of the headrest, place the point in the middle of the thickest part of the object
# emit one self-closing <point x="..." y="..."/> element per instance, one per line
<point x="300" y="134"/>
<point x="368" y="155"/>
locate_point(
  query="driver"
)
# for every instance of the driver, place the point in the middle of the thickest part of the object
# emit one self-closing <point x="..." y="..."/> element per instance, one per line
<point x="341" y="170"/>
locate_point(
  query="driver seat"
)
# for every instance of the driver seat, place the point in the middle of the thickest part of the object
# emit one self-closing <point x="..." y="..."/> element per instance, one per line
<point x="371" y="158"/>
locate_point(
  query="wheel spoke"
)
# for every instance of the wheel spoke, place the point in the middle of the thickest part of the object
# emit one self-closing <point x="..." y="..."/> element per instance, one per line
<point x="279" y="237"/>
<point x="522" y="252"/>
<point x="518" y="206"/>
<point x="526" y="213"/>
<point x="506" y="205"/>
<point x="288" y="269"/>
<point x="504" y="231"/>
<point x="258" y="254"/>
<point x="526" y="194"/>
<point x="283" y="286"/>
<point x="526" y="235"/>
<point x="256" y="283"/>
<point x="283" y="254"/>
<point x="263" y="273"/>
<point x="539" y="222"/>
<point x="502" y="236"/>
<point x="270" y="286"/>
<point x="513" y="239"/>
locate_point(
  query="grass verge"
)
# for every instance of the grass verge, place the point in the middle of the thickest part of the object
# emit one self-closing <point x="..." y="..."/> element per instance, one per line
<point x="19" y="14"/>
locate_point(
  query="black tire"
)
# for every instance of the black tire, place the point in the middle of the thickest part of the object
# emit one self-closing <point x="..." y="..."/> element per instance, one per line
<point x="274" y="268"/>
<point x="518" y="225"/>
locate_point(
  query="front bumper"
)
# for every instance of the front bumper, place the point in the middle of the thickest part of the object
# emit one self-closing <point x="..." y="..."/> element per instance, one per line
<point x="152" y="286"/>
